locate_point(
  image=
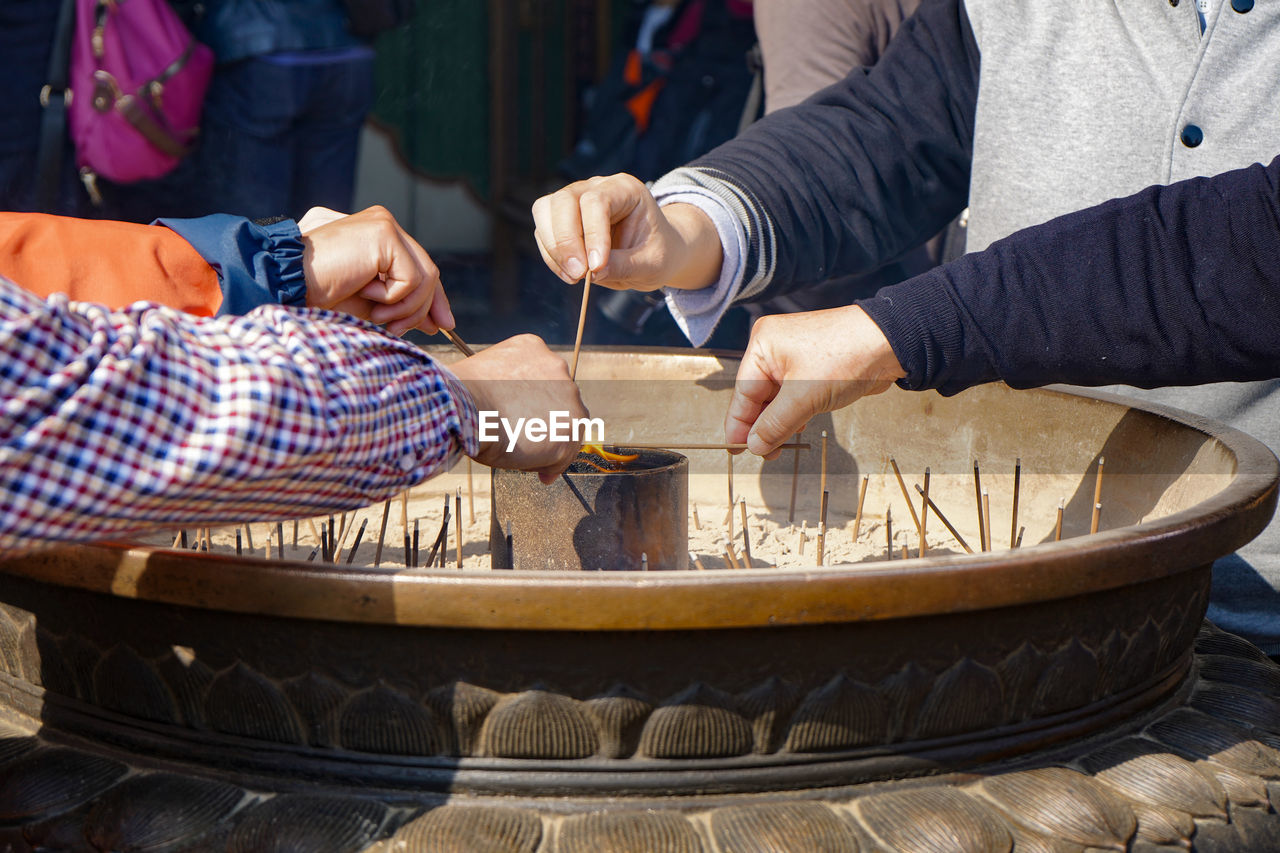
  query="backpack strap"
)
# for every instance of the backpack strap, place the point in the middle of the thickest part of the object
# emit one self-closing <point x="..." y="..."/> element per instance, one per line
<point x="54" y="97"/>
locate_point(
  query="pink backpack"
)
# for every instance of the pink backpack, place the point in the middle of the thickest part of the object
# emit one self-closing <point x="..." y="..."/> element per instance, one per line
<point x="138" y="80"/>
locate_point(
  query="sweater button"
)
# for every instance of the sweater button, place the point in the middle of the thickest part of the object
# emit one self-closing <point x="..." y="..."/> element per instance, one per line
<point x="1192" y="136"/>
<point x="1173" y="3"/>
<point x="1242" y="6"/>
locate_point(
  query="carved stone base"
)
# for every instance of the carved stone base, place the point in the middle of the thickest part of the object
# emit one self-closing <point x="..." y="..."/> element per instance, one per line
<point x="1196" y="772"/>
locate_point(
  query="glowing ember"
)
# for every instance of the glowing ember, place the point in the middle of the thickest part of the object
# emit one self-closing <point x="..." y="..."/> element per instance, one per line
<point x="615" y="461"/>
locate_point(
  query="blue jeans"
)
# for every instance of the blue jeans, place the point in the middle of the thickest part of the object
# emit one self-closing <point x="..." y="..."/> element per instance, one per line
<point x="278" y="138"/>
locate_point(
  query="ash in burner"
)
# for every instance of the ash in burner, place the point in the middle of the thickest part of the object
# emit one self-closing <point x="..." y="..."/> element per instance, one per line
<point x="597" y="459"/>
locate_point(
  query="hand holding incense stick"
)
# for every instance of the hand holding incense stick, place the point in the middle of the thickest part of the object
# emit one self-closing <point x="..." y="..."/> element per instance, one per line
<point x="582" y="322"/>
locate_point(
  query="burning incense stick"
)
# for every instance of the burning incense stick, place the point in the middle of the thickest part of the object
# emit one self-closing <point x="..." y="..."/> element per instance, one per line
<point x="947" y="524"/>
<point x="582" y="322"/>
<point x="333" y="543"/>
<point x="746" y="535"/>
<point x="415" y="544"/>
<point x="237" y="541"/>
<point x="280" y="540"/>
<point x="1097" y="518"/>
<point x="977" y="496"/>
<point x="1057" y="530"/>
<point x="382" y="533"/>
<point x="924" y="514"/>
<point x="862" y="497"/>
<point x="458" y="342"/>
<point x="355" y="546"/>
<point x="795" y="481"/>
<point x="697" y="564"/>
<point x="906" y="496"/>
<point x="697" y="522"/>
<point x="1017" y="480"/>
<point x="457" y="522"/>
<point x="986" y="519"/>
<point x="295" y="533"/>
<point x="670" y="445"/>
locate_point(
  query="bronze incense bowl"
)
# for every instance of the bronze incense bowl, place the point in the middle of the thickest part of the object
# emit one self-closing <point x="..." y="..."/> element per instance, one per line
<point x="1062" y="696"/>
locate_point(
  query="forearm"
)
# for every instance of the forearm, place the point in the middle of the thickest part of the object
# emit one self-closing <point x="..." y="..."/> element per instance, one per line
<point x="116" y="423"/>
<point x="861" y="172"/>
<point x="111" y="263"/>
<point x="255" y="264"/>
<point x="1176" y="285"/>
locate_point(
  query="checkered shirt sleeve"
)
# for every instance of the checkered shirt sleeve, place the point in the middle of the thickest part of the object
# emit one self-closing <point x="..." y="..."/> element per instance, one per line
<point x="115" y="423"/>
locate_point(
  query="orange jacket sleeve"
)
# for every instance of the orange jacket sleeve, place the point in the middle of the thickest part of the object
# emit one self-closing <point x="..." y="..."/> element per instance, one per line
<point x="109" y="263"/>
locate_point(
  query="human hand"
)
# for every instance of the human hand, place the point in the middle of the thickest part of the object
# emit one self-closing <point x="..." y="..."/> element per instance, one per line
<point x="614" y="227"/>
<point x="366" y="265"/>
<point x="521" y="378"/>
<point x="800" y="365"/>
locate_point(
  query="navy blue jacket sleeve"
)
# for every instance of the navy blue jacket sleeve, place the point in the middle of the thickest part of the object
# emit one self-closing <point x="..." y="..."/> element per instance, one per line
<point x="1175" y="285"/>
<point x="866" y="169"/>
<point x="256" y="264"/>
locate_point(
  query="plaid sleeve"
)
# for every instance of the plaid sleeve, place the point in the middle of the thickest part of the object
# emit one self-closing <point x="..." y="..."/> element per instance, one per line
<point x="114" y="423"/>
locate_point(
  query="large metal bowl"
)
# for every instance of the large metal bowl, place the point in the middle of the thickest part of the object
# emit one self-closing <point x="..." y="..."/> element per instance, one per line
<point x="692" y="693"/>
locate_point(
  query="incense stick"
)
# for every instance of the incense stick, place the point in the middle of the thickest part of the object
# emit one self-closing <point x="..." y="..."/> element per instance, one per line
<point x="795" y="481"/>
<point x="668" y="445"/>
<point x="1057" y="530"/>
<point x="822" y="471"/>
<point x="295" y="533"/>
<point x="697" y="522"/>
<point x="355" y="546"/>
<point x="458" y="342"/>
<point x="986" y="519"/>
<point x="746" y="535"/>
<point x="933" y="506"/>
<point x="1017" y="480"/>
<point x="697" y="564"/>
<point x="238" y="543"/>
<point x="906" y="496"/>
<point x="279" y="540"/>
<point x="822" y="528"/>
<point x="888" y="531"/>
<point x="457" y="523"/>
<point x="382" y="533"/>
<point x="471" y="496"/>
<point x="415" y="544"/>
<point x="924" y="514"/>
<point x="862" y="497"/>
<point x="1097" y="497"/>
<point x="582" y="322"/>
<point x="977" y="496"/>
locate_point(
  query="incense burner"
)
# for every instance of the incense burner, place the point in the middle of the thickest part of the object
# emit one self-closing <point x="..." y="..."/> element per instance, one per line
<point x="630" y="518"/>
<point x="1058" y="696"/>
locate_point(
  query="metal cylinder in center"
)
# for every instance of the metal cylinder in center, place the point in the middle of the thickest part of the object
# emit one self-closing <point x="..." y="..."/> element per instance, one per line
<point x="628" y="519"/>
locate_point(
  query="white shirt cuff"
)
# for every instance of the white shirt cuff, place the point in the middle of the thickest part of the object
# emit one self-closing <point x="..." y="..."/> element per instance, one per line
<point x="697" y="312"/>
